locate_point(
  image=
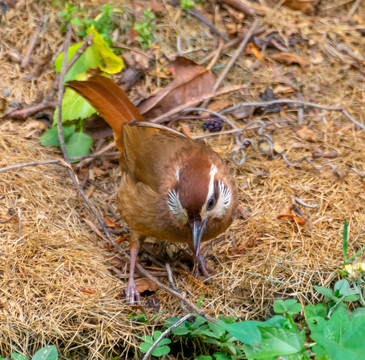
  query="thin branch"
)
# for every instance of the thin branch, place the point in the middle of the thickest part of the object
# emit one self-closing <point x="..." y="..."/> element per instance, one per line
<point x="33" y="163"/>
<point x="243" y="44"/>
<point x="292" y="101"/>
<point x="35" y="37"/>
<point x="216" y="55"/>
<point x="165" y="333"/>
<point x="61" y="88"/>
<point x="166" y="116"/>
<point x="79" y="52"/>
<point x="25" y="112"/>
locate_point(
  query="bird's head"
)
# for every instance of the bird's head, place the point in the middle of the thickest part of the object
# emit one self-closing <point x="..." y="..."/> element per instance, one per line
<point x="201" y="197"/>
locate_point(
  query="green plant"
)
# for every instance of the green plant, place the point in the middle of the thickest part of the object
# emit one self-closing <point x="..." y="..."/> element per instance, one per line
<point x="103" y="22"/>
<point x="75" y="108"/>
<point x="161" y="349"/>
<point x="187" y="4"/>
<point x="145" y="29"/>
<point x="45" y="353"/>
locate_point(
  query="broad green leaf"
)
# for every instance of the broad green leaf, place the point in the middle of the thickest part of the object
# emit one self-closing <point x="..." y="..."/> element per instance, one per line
<point x="161" y="351"/>
<point x="326" y="292"/>
<point x="204" y="357"/>
<point x="246" y="331"/>
<point x="78" y="144"/>
<point x="290" y="306"/>
<point x="16" y="356"/>
<point x="279" y="342"/>
<point x="88" y="60"/>
<point x="221" y="356"/>
<point x="312" y="311"/>
<point x="112" y="64"/>
<point x="342" y="286"/>
<point x="359" y="312"/>
<point x="46" y="353"/>
<point x="217" y="329"/>
<point x="50" y="137"/>
<point x="73" y="107"/>
<point x="161" y="348"/>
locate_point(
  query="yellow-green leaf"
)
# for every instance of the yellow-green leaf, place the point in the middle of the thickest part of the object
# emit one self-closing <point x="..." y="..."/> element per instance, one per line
<point x="112" y="64"/>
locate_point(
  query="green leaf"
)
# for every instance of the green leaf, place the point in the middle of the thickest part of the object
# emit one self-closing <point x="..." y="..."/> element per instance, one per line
<point x="290" y="306"/>
<point x="246" y="331"/>
<point x="313" y="311"/>
<point x="221" y="356"/>
<point x="112" y="64"/>
<point x="46" y="353"/>
<point x="344" y="243"/>
<point x="76" y="21"/>
<point x="73" y="107"/>
<point x="50" y="137"/>
<point x="204" y="357"/>
<point x="161" y="348"/>
<point x="16" y="356"/>
<point x="359" y="312"/>
<point x="78" y="144"/>
<point x="88" y="60"/>
<point x="217" y="329"/>
<point x="326" y="292"/>
<point x="342" y="287"/>
<point x="279" y="342"/>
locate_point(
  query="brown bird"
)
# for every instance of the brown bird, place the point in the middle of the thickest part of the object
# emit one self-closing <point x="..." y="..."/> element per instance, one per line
<point x="172" y="188"/>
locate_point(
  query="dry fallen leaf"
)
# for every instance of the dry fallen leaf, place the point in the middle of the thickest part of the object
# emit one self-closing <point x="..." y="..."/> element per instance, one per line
<point x="191" y="81"/>
<point x="253" y="49"/>
<point x="306" y="133"/>
<point x="304" y="6"/>
<point x="289" y="58"/>
<point x="111" y="224"/>
<point x="289" y="213"/>
<point x="219" y="105"/>
<point x="156" y="7"/>
<point x="144" y="284"/>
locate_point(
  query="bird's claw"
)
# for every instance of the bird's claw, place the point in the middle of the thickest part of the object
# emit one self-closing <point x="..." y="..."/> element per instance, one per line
<point x="132" y="293"/>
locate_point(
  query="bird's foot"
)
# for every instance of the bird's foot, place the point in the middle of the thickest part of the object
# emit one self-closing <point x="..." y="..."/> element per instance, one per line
<point x="132" y="293"/>
<point x="200" y="266"/>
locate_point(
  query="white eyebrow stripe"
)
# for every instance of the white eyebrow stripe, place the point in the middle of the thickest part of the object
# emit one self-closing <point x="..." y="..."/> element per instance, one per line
<point x="213" y="171"/>
<point x="178" y="174"/>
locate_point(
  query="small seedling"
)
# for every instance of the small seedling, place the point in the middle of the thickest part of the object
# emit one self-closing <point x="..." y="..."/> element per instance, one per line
<point x="145" y="29"/>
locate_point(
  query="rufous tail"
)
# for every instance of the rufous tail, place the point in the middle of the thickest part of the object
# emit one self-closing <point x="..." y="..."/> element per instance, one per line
<point x="110" y="101"/>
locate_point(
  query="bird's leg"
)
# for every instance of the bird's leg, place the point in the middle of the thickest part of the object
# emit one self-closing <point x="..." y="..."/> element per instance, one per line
<point x="199" y="265"/>
<point x="132" y="292"/>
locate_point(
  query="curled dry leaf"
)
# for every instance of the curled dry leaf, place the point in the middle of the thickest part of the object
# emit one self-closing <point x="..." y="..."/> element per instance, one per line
<point x="304" y="6"/>
<point x="191" y="81"/>
<point x="291" y="212"/>
<point x="289" y="58"/>
<point x="144" y="284"/>
<point x="306" y="133"/>
<point x="111" y="224"/>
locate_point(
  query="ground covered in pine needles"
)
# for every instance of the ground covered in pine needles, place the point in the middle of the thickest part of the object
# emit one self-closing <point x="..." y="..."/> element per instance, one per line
<point x="61" y="283"/>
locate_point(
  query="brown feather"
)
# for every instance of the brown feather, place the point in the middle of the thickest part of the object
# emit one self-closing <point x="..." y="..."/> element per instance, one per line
<point x="110" y="101"/>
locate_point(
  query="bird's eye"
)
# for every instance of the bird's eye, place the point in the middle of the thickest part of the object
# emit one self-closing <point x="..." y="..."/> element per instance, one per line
<point x="211" y="203"/>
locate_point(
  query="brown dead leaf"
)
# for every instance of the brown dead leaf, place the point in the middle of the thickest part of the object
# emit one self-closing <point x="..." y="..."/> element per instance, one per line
<point x="305" y="133"/>
<point x="289" y="58"/>
<point x="156" y="6"/>
<point x="219" y="105"/>
<point x="97" y="171"/>
<point x="289" y="213"/>
<point x="144" y="284"/>
<point x="253" y="49"/>
<point x="304" y="6"/>
<point x="111" y="224"/>
<point x="191" y="81"/>
<point x="186" y="130"/>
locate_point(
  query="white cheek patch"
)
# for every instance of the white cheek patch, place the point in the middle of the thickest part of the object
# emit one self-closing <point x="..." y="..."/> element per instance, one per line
<point x="213" y="171"/>
<point x="224" y="200"/>
<point x="176" y="207"/>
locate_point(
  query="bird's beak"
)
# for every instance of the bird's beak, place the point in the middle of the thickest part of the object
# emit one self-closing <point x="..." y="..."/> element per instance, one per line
<point x="197" y="228"/>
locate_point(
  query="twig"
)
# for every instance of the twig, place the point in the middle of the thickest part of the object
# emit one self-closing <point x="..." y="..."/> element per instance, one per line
<point x="353" y="8"/>
<point x="79" y="52"/>
<point x="96" y="155"/>
<point x="216" y="55"/>
<point x="34" y="39"/>
<point x="88" y="159"/>
<point x="202" y="18"/>
<point x="61" y="88"/>
<point x="166" y="116"/>
<point x="25" y="112"/>
<point x="33" y="163"/>
<point x="301" y="202"/>
<point x="239" y="5"/>
<point x="165" y="333"/>
<point x="243" y="44"/>
<point x="292" y="101"/>
<point x="300" y="110"/>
